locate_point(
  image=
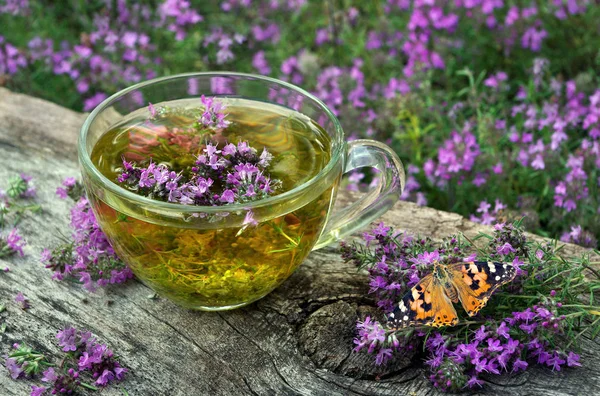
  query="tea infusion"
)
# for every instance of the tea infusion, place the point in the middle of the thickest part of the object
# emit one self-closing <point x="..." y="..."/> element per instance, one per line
<point x="213" y="152"/>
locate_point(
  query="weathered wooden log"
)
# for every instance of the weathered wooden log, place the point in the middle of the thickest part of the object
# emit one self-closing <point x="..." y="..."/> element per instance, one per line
<point x="297" y="340"/>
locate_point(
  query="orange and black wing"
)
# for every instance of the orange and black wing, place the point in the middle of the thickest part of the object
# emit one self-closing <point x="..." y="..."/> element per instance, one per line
<point x="476" y="281"/>
<point x="425" y="304"/>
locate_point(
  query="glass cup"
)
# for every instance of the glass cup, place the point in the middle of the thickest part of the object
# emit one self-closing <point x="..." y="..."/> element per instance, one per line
<point x="207" y="257"/>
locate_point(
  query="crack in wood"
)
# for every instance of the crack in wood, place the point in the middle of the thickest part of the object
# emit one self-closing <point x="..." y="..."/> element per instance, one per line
<point x="260" y="349"/>
<point x="185" y="337"/>
<point x="249" y="387"/>
<point x="355" y="392"/>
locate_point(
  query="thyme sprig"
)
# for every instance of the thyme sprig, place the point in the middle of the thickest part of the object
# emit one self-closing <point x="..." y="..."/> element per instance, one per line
<point x="539" y="318"/>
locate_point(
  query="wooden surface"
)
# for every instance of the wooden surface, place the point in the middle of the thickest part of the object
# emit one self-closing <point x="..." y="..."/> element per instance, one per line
<point x="297" y="340"/>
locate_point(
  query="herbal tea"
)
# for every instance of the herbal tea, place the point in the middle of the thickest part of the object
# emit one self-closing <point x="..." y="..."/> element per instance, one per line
<point x="213" y="152"/>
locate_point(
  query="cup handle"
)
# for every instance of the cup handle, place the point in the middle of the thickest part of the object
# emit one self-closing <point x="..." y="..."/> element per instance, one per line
<point x="366" y="153"/>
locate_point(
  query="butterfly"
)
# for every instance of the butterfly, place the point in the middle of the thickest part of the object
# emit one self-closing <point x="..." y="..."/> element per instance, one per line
<point x="429" y="302"/>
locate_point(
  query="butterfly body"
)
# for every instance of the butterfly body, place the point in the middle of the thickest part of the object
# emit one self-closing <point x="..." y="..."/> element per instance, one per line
<point x="443" y="276"/>
<point x="430" y="301"/>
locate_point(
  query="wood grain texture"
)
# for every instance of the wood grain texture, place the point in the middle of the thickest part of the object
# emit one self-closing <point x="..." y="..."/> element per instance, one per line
<point x="296" y="341"/>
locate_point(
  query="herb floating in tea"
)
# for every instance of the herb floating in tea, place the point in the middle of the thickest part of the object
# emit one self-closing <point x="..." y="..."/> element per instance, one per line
<point x="220" y="175"/>
<point x="85" y="361"/>
<point x="89" y="258"/>
<point x="537" y="319"/>
<point x="234" y="174"/>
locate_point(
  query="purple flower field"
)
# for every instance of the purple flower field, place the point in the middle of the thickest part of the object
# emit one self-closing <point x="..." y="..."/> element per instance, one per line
<point x="493" y="105"/>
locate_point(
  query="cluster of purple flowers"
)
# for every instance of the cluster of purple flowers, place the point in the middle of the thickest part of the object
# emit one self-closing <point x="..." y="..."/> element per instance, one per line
<point x="374" y="337"/>
<point x="504" y="341"/>
<point x="580" y="237"/>
<point x="11" y="58"/>
<point x="85" y="358"/>
<point x="90" y="257"/>
<point x="508" y="244"/>
<point x="487" y="215"/>
<point x="91" y="355"/>
<point x="20" y="188"/>
<point x="291" y="70"/>
<point x="224" y="42"/>
<point x="112" y="53"/>
<point x="558" y="136"/>
<point x="178" y="17"/>
<point x="260" y="63"/>
<point x="496" y="81"/>
<point x="456" y="158"/>
<point x="15" y="7"/>
<point x="573" y="188"/>
<point x="510" y="347"/>
<point x="233" y="174"/>
<point x="13" y="243"/>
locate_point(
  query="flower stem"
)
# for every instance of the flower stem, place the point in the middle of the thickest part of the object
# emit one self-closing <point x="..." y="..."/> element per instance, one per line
<point x="581" y="306"/>
<point x="518" y="296"/>
<point x="581" y="332"/>
<point x="88" y="386"/>
<point x="586" y="266"/>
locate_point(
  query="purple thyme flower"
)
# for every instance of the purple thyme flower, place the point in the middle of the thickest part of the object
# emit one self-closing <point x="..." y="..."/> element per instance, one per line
<point x="505" y="249"/>
<point x="503" y="330"/>
<point x="15" y="241"/>
<point x="67" y="338"/>
<point x="14" y="369"/>
<point x="379" y="282"/>
<point x="178" y="16"/>
<point x="474" y="381"/>
<point x="214" y="115"/>
<point x="11" y="244"/>
<point x="494" y="345"/>
<point x="37" y="390"/>
<point x="105" y="377"/>
<point x="481" y="333"/>
<point x="227" y="196"/>
<point x="62" y="193"/>
<point x="249" y="219"/>
<point x="49" y="375"/>
<point x="555" y="362"/>
<point x="383" y="356"/>
<point x="573" y="360"/>
<point x="151" y="110"/>
<point x="370" y="333"/>
<point x="22" y="301"/>
<point x="381" y="230"/>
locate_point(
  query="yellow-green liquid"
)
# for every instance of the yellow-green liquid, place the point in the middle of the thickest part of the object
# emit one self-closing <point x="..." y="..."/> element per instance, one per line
<point x="230" y="266"/>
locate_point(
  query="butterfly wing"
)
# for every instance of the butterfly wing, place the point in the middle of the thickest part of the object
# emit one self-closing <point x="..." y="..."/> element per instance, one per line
<point x="425" y="304"/>
<point x="476" y="281"/>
